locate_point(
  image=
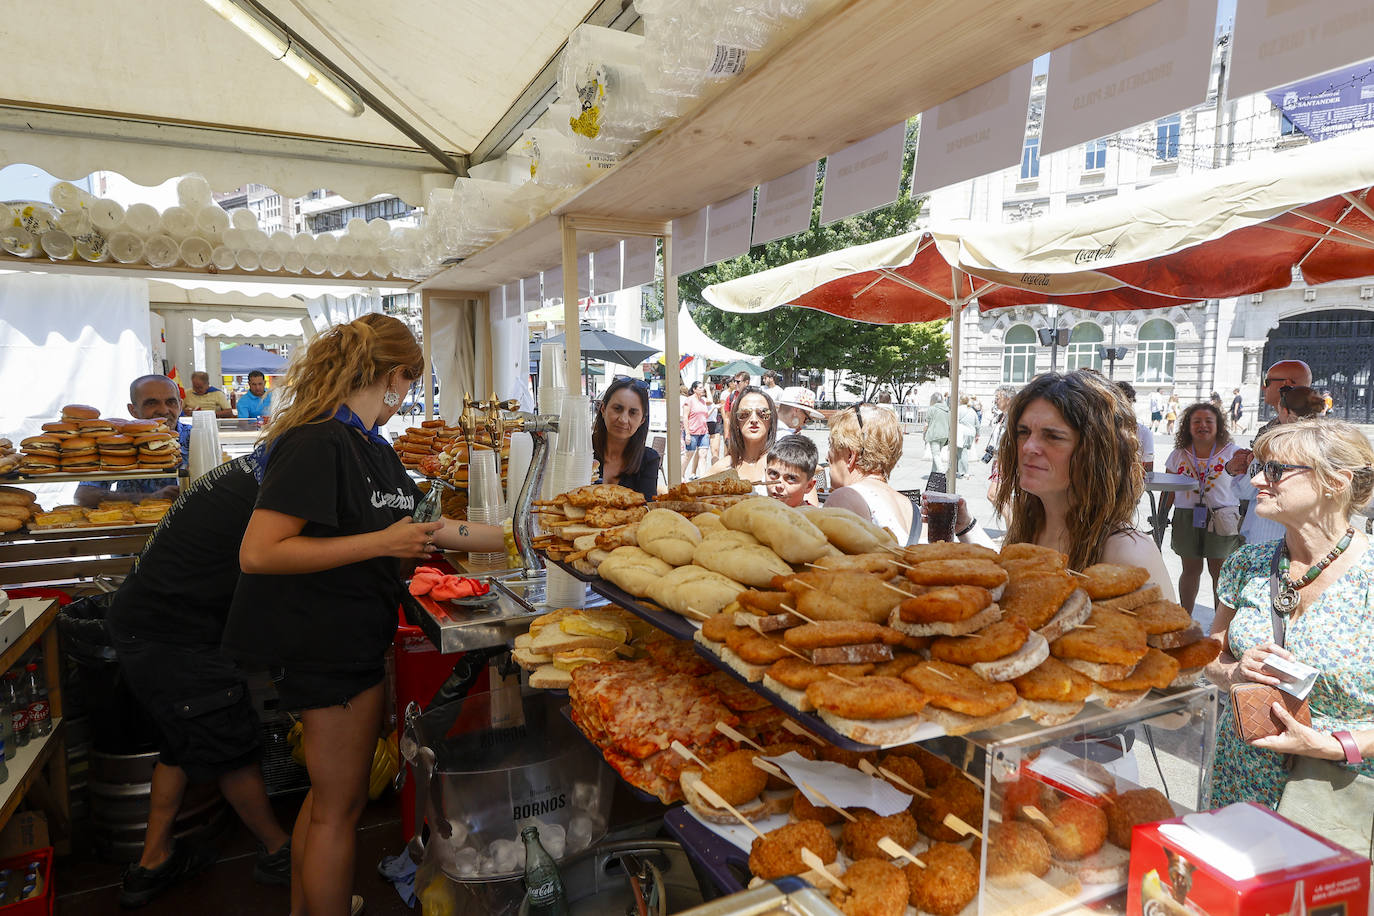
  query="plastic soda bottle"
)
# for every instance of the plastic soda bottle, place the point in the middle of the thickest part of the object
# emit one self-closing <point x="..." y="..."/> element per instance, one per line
<point x="543" y="886"/>
<point x="36" y="692"/>
<point x="19" y="710"/>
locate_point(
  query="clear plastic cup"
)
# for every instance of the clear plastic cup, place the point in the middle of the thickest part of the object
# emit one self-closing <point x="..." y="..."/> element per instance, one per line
<point x="18" y="241"/>
<point x="179" y="222"/>
<point x="74" y="222"/>
<point x="161" y="251"/>
<point x="293" y="262"/>
<point x="58" y="245"/>
<point x="125" y="247"/>
<point x="280" y="241"/>
<point x="223" y="257"/>
<point x="143" y="220"/>
<point x="244" y="219"/>
<point x="247" y="259"/>
<point x="326" y="244"/>
<point x="212" y="222"/>
<point x="196" y="252"/>
<point x="67" y="196"/>
<point x="107" y="215"/>
<point x="942" y="515"/>
<point x="271" y="260"/>
<point x="338" y="265"/>
<point x="92" y="247"/>
<point x="194" y="192"/>
<point x="316" y="263"/>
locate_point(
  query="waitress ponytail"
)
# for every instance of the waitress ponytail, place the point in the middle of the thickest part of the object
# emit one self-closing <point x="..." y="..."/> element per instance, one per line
<point x="342" y="360"/>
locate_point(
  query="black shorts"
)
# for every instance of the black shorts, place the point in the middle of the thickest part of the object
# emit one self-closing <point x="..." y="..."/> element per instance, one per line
<point x="199" y="702"/>
<point x="299" y="690"/>
<point x="713" y="427"/>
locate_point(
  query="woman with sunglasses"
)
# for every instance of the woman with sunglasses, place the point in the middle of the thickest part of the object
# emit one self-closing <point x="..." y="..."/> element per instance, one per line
<point x="1070" y="474"/>
<point x="1206" y="519"/>
<point x="749" y="435"/>
<point x="865" y="445"/>
<point x="619" y="434"/>
<point x="1318" y="584"/>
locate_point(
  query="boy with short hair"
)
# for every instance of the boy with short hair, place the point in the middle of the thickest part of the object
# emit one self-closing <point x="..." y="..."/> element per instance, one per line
<point x="791" y="474"/>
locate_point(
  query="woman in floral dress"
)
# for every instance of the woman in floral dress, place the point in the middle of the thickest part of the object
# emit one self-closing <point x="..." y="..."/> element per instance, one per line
<point x="1310" y="476"/>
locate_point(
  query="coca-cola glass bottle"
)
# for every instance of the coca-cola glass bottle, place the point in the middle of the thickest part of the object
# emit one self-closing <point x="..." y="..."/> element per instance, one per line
<point x="543" y="886"/>
<point x="36" y="692"/>
<point x="19" y="709"/>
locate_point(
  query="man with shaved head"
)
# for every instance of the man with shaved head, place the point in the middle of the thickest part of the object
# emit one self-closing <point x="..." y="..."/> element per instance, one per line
<point x="1284" y="374"/>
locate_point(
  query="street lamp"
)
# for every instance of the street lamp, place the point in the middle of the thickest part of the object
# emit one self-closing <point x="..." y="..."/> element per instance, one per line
<point x="1111" y="355"/>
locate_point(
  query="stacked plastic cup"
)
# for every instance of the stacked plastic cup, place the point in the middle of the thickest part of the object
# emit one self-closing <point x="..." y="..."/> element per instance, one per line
<point x="485" y="505"/>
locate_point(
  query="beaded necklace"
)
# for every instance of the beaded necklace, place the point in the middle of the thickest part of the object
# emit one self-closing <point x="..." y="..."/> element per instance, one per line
<point x="1206" y="473"/>
<point x="1287" y="598"/>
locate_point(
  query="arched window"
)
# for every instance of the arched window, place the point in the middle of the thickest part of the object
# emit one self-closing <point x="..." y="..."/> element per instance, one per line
<point x="1154" y="353"/>
<point x="1018" y="354"/>
<point x="1082" y="350"/>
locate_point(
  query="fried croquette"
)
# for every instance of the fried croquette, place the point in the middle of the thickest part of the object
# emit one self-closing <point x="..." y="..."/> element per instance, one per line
<point x="954" y="687"/>
<point x="778" y="852"/>
<point x="718" y="628"/>
<point x="1196" y="654"/>
<point x="946" y="884"/>
<point x="1015" y="847"/>
<point x="1044" y="556"/>
<point x="1138" y="806"/>
<point x="1036" y="595"/>
<point x="946" y="604"/>
<point x="959" y="797"/>
<point x="867" y="697"/>
<point x="799" y="674"/>
<point x="1108" y="637"/>
<point x="839" y="595"/>
<point x="735" y="778"/>
<point x="875" y="888"/>
<point x="982" y="573"/>
<point x="906" y="769"/>
<point x="1156" y="669"/>
<point x="947" y="550"/>
<point x="804" y="810"/>
<point x="1077" y="828"/>
<point x="935" y="768"/>
<point x="1159" y="617"/>
<point x="1055" y="681"/>
<point x="881" y="564"/>
<point x="1108" y="580"/>
<point x="763" y="603"/>
<point x="756" y="648"/>
<point x="825" y="633"/>
<point x="994" y="641"/>
<point x="898" y="664"/>
<point x="1023" y="793"/>
<point x="859" y="837"/>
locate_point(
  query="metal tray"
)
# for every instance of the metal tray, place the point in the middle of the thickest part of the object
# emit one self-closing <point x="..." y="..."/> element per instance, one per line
<point x="722" y="861"/>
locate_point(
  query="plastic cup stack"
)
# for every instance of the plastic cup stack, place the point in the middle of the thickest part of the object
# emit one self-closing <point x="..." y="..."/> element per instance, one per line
<point x="485" y="505"/>
<point x="572" y="462"/>
<point x="205" y="447"/>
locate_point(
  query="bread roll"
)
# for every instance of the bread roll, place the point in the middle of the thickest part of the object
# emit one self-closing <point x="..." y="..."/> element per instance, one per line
<point x="780" y="527"/>
<point x="753" y="564"/>
<point x="693" y="591"/>
<point x="849" y="531"/>
<point x="633" y="570"/>
<point x="668" y="536"/>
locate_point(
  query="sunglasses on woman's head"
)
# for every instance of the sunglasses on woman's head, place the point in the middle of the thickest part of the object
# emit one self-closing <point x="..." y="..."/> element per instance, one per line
<point x="1274" y="470"/>
<point x="763" y="413"/>
<point x="859" y="414"/>
<point x="636" y="382"/>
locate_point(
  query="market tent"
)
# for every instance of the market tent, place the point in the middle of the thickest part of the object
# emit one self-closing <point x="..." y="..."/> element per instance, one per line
<point x="241" y="359"/>
<point x="738" y="366"/>
<point x="152" y="89"/>
<point x="603" y="345"/>
<point x="692" y="341"/>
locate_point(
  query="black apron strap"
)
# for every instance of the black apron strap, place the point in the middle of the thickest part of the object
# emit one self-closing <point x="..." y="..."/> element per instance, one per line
<point x="1275" y="618"/>
<point x="914" y="534"/>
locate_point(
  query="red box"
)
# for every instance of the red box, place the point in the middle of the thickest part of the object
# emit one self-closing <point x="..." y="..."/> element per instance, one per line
<point x="42" y="905"/>
<point x="1338" y="886"/>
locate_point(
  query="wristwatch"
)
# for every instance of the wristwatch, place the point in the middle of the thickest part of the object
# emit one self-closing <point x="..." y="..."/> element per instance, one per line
<point x="1352" y="750"/>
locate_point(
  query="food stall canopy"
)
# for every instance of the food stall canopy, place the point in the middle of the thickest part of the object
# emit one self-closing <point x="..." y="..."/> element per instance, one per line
<point x="241" y="359"/>
<point x="154" y="90"/>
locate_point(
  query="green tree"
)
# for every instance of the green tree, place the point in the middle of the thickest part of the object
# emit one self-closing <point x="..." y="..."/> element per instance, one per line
<point x="795" y="340"/>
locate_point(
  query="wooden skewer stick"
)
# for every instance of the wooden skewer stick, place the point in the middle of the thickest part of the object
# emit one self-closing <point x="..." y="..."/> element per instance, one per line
<point x="799" y="655"/>
<point x="1074" y="572"/>
<point x="700" y="615"/>
<point x="840" y="677"/>
<point x="804" y="583"/>
<point x="890" y="846"/>
<point x="827" y="802"/>
<point x="900" y="564"/>
<point x="714" y="798"/>
<point x="934" y="670"/>
<point x="891" y="587"/>
<point x="900" y="782"/>
<point x="686" y="754"/>
<point x="754" y="624"/>
<point x="814" y="862"/>
<point x="1036" y="814"/>
<point x="958" y="825"/>
<point x="800" y="732"/>
<point x="772" y="770"/>
<point x="791" y="610"/>
<point x="1085" y="626"/>
<point x="734" y="735"/>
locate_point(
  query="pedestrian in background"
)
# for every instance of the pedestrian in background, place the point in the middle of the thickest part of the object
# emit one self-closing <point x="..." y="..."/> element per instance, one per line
<point x="1237" y="410"/>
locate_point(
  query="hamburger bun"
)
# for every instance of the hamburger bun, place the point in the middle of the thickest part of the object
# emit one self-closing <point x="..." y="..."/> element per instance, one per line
<point x="155" y="441"/>
<point x="86" y="427"/>
<point x="80" y="412"/>
<point x="41" y="445"/>
<point x="111" y="462"/>
<point x="116" y="445"/>
<point x="61" y="430"/>
<point x="77" y="445"/>
<point x="138" y="427"/>
<point x="41" y="463"/>
<point x="77" y="463"/>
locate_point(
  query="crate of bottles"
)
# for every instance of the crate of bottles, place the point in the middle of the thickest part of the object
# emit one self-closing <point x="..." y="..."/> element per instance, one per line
<point x="26" y="887"/>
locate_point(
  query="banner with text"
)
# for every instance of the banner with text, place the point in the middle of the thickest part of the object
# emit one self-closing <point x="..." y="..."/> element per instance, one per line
<point x="976" y="133"/>
<point x="1150" y="64"/>
<point x="1283" y="41"/>
<point x="640" y="258"/>
<point x="1329" y="105"/>
<point x="730" y="224"/>
<point x="785" y="205"/>
<point x="689" y="243"/>
<point x="606" y="269"/>
<point x="865" y="175"/>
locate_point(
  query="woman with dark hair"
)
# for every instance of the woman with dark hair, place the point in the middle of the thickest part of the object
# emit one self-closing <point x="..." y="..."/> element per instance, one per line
<point x="1301" y="403"/>
<point x="316" y="604"/>
<point x="618" y="436"/>
<point x="1206" y="518"/>
<point x="752" y="428"/>
<point x="1071" y="476"/>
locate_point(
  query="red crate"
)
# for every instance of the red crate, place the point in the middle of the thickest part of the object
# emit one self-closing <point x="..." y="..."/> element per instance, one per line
<point x="41" y="905"/>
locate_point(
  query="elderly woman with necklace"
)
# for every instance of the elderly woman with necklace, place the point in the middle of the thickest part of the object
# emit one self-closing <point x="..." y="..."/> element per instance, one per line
<point x="1314" y="591"/>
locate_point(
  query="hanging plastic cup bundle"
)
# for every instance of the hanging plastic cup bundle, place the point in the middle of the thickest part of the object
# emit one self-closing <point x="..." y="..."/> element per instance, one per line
<point x="58" y="245"/>
<point x="142" y="220"/>
<point x="178" y="222"/>
<point x="125" y="247"/>
<point x="107" y="216"/>
<point x="196" y="252"/>
<point x="161" y="251"/>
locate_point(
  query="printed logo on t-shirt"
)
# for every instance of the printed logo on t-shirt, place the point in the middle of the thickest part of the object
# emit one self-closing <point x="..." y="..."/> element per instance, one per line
<point x="398" y="500"/>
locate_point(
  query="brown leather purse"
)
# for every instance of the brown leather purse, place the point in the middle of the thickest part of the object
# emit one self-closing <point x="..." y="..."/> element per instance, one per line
<point x="1252" y="706"/>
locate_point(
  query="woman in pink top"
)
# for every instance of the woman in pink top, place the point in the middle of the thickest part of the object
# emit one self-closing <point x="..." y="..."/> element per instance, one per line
<point x="698" y="440"/>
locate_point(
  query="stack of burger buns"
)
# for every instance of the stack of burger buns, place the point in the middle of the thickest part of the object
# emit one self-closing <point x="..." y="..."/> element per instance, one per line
<point x="80" y="442"/>
<point x="10" y="459"/>
<point x="17" y="506"/>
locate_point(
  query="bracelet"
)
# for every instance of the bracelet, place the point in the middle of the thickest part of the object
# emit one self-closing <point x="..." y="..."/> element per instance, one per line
<point x="967" y="528"/>
<point x="1351" y="749"/>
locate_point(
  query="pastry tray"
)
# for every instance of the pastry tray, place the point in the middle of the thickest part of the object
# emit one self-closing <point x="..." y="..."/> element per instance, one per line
<point x="670" y="623"/>
<point x="639" y="794"/>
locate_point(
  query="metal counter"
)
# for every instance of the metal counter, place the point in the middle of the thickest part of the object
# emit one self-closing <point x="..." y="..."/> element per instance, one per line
<point x="454" y="629"/>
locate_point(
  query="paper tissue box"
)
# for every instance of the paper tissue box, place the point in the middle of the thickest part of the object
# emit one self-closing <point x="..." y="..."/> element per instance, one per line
<point x="1242" y="860"/>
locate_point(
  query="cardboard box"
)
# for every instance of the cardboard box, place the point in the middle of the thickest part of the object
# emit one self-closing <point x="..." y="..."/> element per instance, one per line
<point x="1167" y="879"/>
<point x="26" y="831"/>
<point x="11" y="625"/>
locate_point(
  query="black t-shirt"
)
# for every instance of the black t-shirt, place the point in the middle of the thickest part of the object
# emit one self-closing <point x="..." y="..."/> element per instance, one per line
<point x="183" y="581"/>
<point x="645" y="480"/>
<point x="341" y="483"/>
